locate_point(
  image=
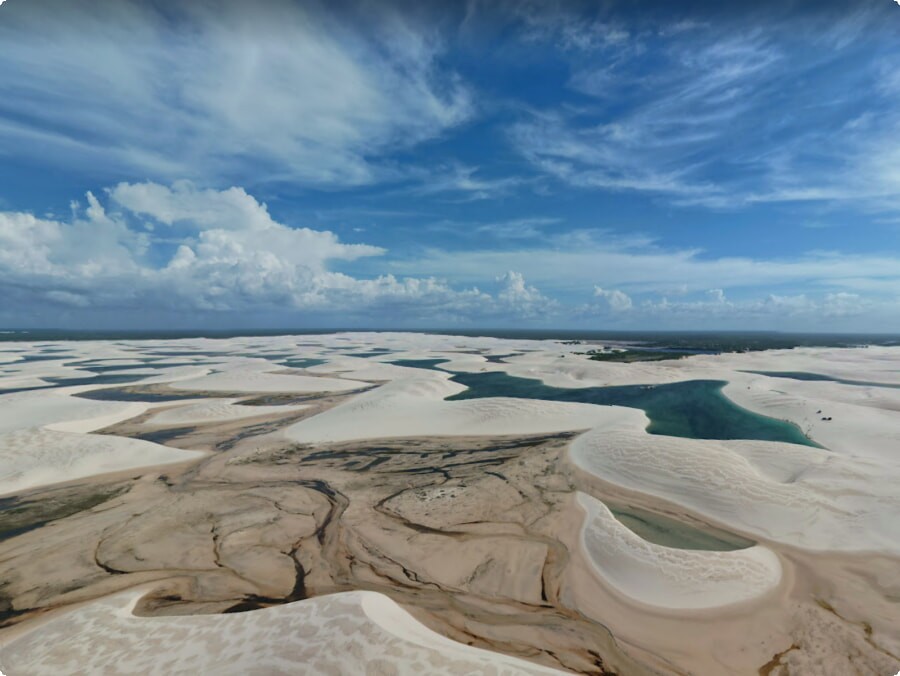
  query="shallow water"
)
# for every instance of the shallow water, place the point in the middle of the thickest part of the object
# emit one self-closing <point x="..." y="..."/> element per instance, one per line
<point x="103" y="379"/>
<point x="802" y="375"/>
<point x="117" y="394"/>
<point x="376" y="352"/>
<point x="302" y="363"/>
<point x="695" y="409"/>
<point x="430" y="364"/>
<point x="271" y="356"/>
<point x="114" y="368"/>
<point x="25" y="358"/>
<point x="669" y="532"/>
<point x="499" y="358"/>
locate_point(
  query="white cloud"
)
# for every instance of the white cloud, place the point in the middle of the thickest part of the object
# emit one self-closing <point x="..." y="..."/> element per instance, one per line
<point x="222" y="253"/>
<point x="221" y="90"/>
<point x="615" y="300"/>
<point x="522" y="299"/>
<point x="565" y="27"/>
<point x="562" y="267"/>
<point x="844" y="304"/>
<point x="798" y="311"/>
<point x="462" y="180"/>
<point x="219" y="251"/>
<point x="230" y="222"/>
<point x="709" y="124"/>
<point x="717" y="296"/>
<point x="527" y="228"/>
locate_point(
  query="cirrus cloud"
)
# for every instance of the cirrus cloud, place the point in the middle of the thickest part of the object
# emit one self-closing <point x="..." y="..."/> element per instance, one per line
<point x="221" y="90"/>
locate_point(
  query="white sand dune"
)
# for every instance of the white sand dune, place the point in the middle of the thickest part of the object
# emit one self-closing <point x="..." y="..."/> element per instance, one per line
<point x="354" y="368"/>
<point x="349" y="633"/>
<point x="56" y="407"/>
<point x="44" y="439"/>
<point x="863" y="420"/>
<point x="817" y="508"/>
<point x="15" y="382"/>
<point x="216" y="410"/>
<point x="674" y="579"/>
<point x="37" y="457"/>
<point x="415" y="406"/>
<point x="875" y="363"/>
<point x="259" y="378"/>
<point x="796" y="495"/>
<point x="574" y="371"/>
<point x="172" y="375"/>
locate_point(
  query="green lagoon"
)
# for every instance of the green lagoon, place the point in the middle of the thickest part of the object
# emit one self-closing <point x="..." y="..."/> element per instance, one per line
<point x="695" y="409"/>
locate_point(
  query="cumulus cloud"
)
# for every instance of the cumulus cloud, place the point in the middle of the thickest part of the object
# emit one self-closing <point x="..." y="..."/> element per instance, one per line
<point x="181" y="250"/>
<point x="615" y="300"/>
<point x="560" y="267"/>
<point x="717" y="296"/>
<point x="219" y="251"/>
<point x="524" y="300"/>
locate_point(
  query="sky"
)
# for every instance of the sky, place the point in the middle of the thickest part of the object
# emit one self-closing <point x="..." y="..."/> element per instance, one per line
<point x="597" y="165"/>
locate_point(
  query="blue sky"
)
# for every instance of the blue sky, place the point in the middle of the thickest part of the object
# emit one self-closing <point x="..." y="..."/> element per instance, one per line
<point x="610" y="165"/>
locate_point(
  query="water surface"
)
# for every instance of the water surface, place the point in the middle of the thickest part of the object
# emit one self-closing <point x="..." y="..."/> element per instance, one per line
<point x="803" y="375"/>
<point x="302" y="362"/>
<point x="430" y="364"/>
<point x="669" y="532"/>
<point x="695" y="409"/>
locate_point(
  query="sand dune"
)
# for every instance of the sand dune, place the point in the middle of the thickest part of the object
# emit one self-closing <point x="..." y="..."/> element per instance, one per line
<point x="350" y="633"/>
<point x="216" y="410"/>
<point x="861" y="419"/>
<point x="37" y="457"/>
<point x="415" y="406"/>
<point x="672" y="578"/>
<point x="44" y="439"/>
<point x="817" y="591"/>
<point x="796" y="495"/>
<point x="259" y="378"/>
<point x="22" y="410"/>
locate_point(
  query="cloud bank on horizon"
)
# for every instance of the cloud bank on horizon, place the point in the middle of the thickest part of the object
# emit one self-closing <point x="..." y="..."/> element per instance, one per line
<point x="631" y="165"/>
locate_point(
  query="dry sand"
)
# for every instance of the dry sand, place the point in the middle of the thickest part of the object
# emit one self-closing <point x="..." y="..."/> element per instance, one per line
<point x="486" y="519"/>
<point x="348" y="633"/>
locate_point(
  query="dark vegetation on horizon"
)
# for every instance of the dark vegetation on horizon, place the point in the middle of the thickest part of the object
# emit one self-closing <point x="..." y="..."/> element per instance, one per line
<point x="629" y="356"/>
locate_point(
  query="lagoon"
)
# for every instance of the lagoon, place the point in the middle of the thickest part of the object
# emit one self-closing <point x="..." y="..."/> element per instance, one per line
<point x="695" y="409"/>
